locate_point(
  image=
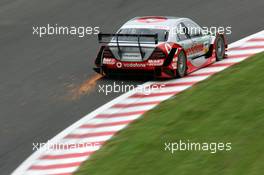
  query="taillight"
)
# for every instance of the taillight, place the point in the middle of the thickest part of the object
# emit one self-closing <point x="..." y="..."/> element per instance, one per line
<point x="157" y="54"/>
<point x="107" y="53"/>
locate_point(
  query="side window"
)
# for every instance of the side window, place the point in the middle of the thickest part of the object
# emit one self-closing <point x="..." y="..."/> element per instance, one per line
<point x="193" y="29"/>
<point x="181" y="32"/>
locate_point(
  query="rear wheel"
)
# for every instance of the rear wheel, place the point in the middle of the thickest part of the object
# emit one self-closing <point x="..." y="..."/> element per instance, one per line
<point x="181" y="65"/>
<point x="219" y="48"/>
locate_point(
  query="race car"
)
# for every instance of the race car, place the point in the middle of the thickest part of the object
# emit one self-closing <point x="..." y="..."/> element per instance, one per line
<point x="161" y="46"/>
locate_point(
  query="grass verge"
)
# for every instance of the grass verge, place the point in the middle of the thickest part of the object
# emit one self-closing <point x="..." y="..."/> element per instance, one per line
<point x="228" y="107"/>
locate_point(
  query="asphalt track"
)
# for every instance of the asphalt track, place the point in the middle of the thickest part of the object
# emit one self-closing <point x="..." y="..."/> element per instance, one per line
<point x="36" y="74"/>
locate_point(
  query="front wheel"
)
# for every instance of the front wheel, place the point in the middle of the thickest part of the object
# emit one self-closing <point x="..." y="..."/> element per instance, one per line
<point x="219" y="48"/>
<point x="181" y="65"/>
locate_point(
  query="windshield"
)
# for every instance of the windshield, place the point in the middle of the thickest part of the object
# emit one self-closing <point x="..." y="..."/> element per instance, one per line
<point x="162" y="34"/>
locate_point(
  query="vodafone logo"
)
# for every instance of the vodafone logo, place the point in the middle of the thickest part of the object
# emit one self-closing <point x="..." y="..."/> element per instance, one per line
<point x="118" y="64"/>
<point x="135" y="65"/>
<point x="152" y="19"/>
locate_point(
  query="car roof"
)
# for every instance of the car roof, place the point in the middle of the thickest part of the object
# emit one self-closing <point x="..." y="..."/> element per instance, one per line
<point x="159" y="22"/>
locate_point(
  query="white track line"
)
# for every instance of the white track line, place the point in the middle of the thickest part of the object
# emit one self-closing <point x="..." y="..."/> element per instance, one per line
<point x="72" y="150"/>
<point x="250" y="51"/>
<point x="234" y="60"/>
<point x="127" y="109"/>
<point x="145" y="100"/>
<point x="100" y="129"/>
<point x="53" y="171"/>
<point x="60" y="161"/>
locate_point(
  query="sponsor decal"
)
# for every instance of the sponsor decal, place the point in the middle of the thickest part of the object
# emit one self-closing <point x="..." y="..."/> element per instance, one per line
<point x="118" y="64"/>
<point x="158" y="62"/>
<point x="131" y="56"/>
<point x="195" y="49"/>
<point x="206" y="47"/>
<point x="134" y="65"/>
<point x="174" y="63"/>
<point x="109" y="61"/>
<point x="161" y="27"/>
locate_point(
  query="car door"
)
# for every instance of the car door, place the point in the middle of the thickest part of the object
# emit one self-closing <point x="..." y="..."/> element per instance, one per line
<point x="184" y="39"/>
<point x="200" y="42"/>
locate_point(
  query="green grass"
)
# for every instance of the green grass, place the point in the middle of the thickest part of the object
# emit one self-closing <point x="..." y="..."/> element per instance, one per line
<point x="228" y="107"/>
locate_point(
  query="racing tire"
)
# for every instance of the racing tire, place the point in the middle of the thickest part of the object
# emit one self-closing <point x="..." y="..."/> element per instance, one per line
<point x="219" y="48"/>
<point x="181" y="65"/>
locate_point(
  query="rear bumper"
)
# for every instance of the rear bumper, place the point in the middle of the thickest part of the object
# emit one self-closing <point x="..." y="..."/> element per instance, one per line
<point x="157" y="72"/>
<point x="150" y="67"/>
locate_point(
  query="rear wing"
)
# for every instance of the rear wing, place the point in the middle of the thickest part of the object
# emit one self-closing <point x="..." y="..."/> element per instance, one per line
<point x="119" y="38"/>
<point x="115" y="38"/>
